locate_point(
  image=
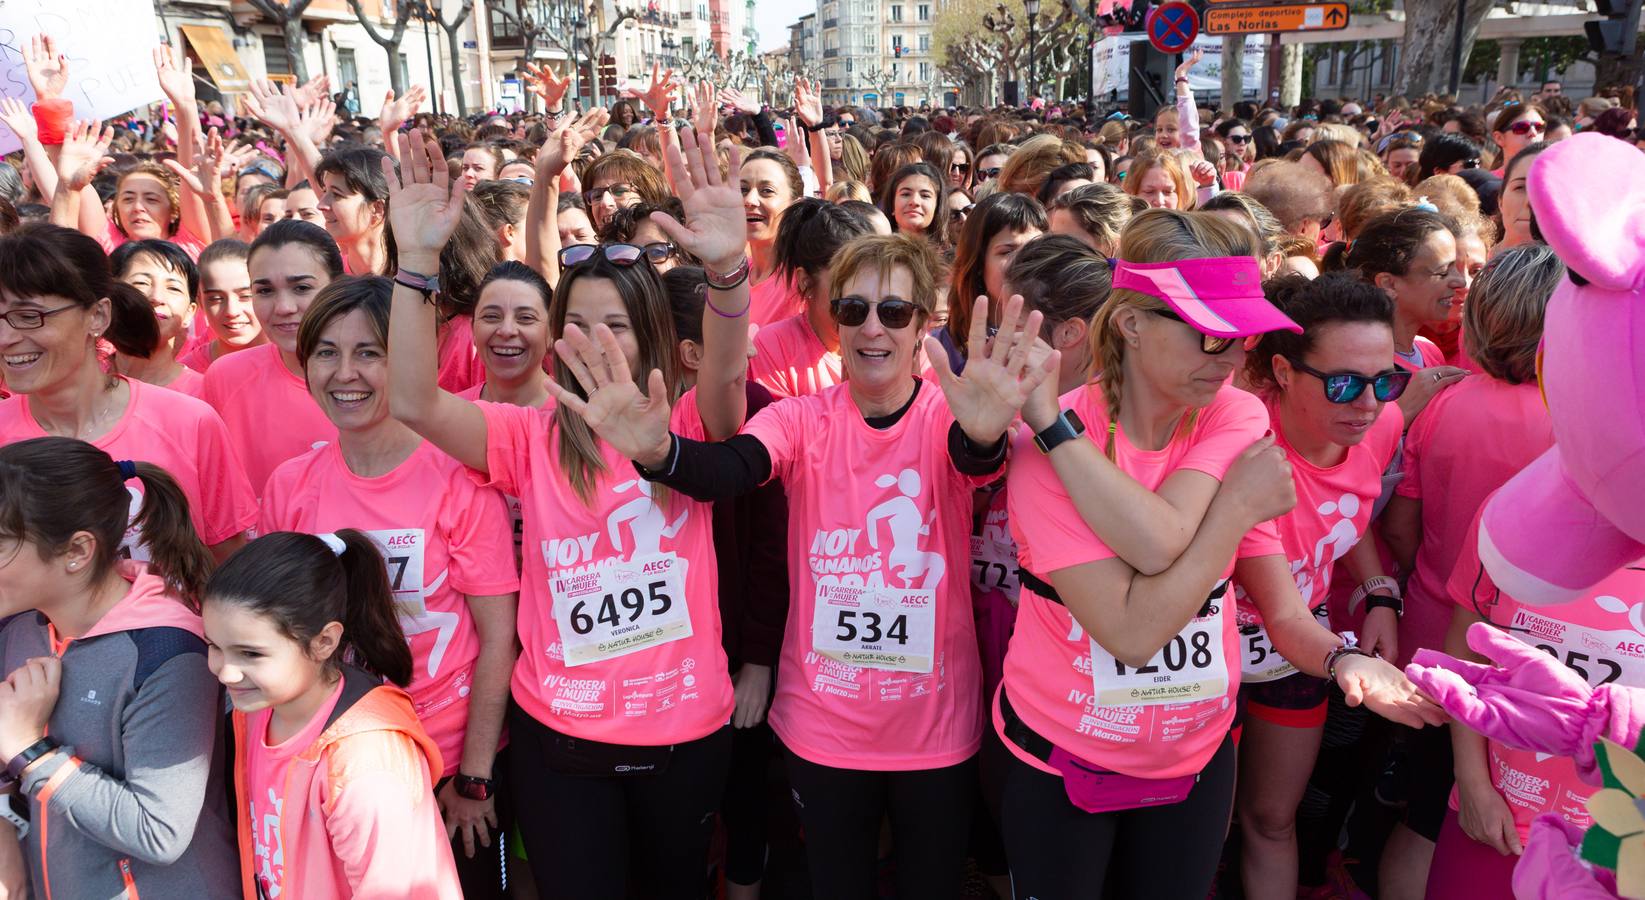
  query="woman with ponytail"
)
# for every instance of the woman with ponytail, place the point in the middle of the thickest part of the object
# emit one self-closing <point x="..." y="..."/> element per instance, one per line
<point x="123" y="774"/>
<point x="448" y="542"/>
<point x="59" y="305"/>
<point x="334" y="774"/>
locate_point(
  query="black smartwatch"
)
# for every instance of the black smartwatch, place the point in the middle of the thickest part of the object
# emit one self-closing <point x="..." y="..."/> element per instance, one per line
<point x="475" y="788"/>
<point x="1067" y="427"/>
<point x="30" y="753"/>
<point x="1375" y="601"/>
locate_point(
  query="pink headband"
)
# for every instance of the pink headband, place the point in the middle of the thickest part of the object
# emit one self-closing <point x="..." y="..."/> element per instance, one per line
<point x="1220" y="296"/>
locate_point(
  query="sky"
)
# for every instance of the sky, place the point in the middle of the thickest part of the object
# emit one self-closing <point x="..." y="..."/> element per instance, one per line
<point x="772" y="18"/>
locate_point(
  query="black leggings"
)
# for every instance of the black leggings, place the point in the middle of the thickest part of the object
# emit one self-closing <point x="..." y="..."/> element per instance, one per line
<point x="1058" y="850"/>
<point x="584" y="834"/>
<point x="743" y="809"/>
<point x="841" y="810"/>
<point x="485" y="875"/>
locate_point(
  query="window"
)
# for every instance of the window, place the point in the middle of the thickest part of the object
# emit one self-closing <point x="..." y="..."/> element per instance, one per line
<point x="274" y="54"/>
<point x="896" y="14"/>
<point x="925" y="43"/>
<point x="925" y="12"/>
<point x="925" y="72"/>
<point x="896" y="42"/>
<point x="347" y="71"/>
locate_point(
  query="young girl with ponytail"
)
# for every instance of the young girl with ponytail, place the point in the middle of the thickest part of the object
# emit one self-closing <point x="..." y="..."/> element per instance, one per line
<point x="123" y="775"/>
<point x="334" y="775"/>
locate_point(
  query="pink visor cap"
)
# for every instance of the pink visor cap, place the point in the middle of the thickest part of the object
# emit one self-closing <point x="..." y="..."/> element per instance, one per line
<point x="1220" y="296"/>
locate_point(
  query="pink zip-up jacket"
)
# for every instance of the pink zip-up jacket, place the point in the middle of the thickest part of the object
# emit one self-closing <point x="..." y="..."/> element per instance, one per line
<point x="358" y="816"/>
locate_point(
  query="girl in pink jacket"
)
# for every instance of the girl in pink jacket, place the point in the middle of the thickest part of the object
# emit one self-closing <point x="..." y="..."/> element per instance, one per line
<point x="332" y="770"/>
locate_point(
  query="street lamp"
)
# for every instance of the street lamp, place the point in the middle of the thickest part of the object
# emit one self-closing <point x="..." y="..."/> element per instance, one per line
<point x="422" y="10"/>
<point x="1032" y="7"/>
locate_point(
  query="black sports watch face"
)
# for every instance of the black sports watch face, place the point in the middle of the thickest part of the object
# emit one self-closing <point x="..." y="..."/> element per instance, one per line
<point x="474" y="788"/>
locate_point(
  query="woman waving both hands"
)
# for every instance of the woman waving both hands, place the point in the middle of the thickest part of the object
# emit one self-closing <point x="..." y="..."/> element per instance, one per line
<point x="618" y="712"/>
<point x="879" y="472"/>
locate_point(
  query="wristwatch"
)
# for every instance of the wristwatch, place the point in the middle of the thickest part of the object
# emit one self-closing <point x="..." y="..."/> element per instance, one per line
<point x="475" y="788"/>
<point x="1067" y="427"/>
<point x="427" y="285"/>
<point x="9" y="814"/>
<point x="1380" y="601"/>
<point x="30" y="753"/>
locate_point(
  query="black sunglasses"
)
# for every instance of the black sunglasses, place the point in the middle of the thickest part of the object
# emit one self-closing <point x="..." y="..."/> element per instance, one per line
<point x="1345" y="387"/>
<point x="1471" y="163"/>
<point x="1208" y="343"/>
<point x="991" y="172"/>
<point x="1239" y="138"/>
<point x="853" y="311"/>
<point x="961" y="168"/>
<point x="620" y="254"/>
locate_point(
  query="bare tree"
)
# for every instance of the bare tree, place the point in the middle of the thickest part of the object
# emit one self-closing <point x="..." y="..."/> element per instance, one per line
<point x="455" y="46"/>
<point x="391" y="43"/>
<point x="1428" y="47"/>
<point x="288" y="14"/>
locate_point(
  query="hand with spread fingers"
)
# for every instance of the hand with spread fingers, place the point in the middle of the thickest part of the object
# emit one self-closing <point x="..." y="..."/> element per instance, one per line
<point x="174" y="76"/>
<point x="48" y="69"/>
<point x="986" y="397"/>
<point x="424" y="202"/>
<point x="542" y="81"/>
<point x="715" y="229"/>
<point x="633" y="421"/>
<point x="659" y="96"/>
<point x="808" y="102"/>
<point x="395" y="112"/>
<point x="83" y="155"/>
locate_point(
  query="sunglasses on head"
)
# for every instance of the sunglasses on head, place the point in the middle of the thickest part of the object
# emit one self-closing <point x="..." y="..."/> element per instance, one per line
<point x="1345" y="387"/>
<point x="619" y="254"/>
<point x="1523" y="128"/>
<point x="853" y="311"/>
<point x="1208" y="343"/>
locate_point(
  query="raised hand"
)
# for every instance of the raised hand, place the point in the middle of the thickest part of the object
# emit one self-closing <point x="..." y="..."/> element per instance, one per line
<point x="808" y="102"/>
<point x="48" y="69"/>
<point x="561" y="146"/>
<point x="998" y="379"/>
<point x="175" y="78"/>
<point x="1203" y="172"/>
<point x="634" y="422"/>
<point x="273" y="107"/>
<point x="317" y="119"/>
<point x="316" y="89"/>
<point x="541" y="80"/>
<point x="395" y="112"/>
<point x="16" y="116"/>
<point x="1192" y="61"/>
<point x="715" y="229"/>
<point x="705" y="115"/>
<point x="659" y="97"/>
<point x="84" y="154"/>
<point x="1385" y="691"/>
<point x="424" y="203"/>
<point x="738" y="100"/>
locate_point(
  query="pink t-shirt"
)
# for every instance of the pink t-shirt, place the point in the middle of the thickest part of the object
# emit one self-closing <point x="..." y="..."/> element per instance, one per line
<point x="995" y="589"/>
<point x="460" y="366"/>
<point x="445" y="538"/>
<point x="619" y="603"/>
<point x="270" y="416"/>
<point x="197" y="357"/>
<point x="265" y="768"/>
<point x="1062" y="683"/>
<point x="789" y="360"/>
<point x="183" y="238"/>
<point x="772" y="300"/>
<point x="189" y="382"/>
<point x="177" y="433"/>
<point x="1470" y="439"/>
<point x="1428" y="350"/>
<point x="514" y="511"/>
<point x="1332" y="512"/>
<point x="1595" y="636"/>
<point x="874" y="546"/>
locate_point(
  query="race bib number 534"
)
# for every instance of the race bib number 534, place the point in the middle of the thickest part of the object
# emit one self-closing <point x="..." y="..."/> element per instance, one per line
<point x="876" y="628"/>
<point x="621" y="608"/>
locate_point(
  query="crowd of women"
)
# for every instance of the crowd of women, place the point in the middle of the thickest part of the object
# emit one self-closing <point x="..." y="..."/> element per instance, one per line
<point x="1033" y="504"/>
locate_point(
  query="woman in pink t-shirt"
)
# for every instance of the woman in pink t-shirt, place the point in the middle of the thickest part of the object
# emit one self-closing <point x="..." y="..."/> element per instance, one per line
<point x="770" y="182"/>
<point x="1327" y="392"/>
<point x="878" y="691"/>
<point x="619" y="731"/>
<point x="800" y="355"/>
<point x="260" y="393"/>
<point x="1120" y="680"/>
<point x="61" y="303"/>
<point x="225" y="297"/>
<point x="447" y="541"/>
<point x="170" y="281"/>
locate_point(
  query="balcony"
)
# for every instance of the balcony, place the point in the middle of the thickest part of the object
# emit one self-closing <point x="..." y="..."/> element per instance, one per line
<point x="831" y="53"/>
<point x="830" y="23"/>
<point x="831" y="82"/>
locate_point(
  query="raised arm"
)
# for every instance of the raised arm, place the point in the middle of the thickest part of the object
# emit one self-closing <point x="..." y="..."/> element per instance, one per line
<point x="83" y="154"/>
<point x="395" y="112"/>
<point x="279" y="110"/>
<point x="178" y="84"/>
<point x="424" y="205"/>
<point x="986" y="397"/>
<point x="1187" y="112"/>
<point x="808" y="110"/>
<point x="18" y="118"/>
<point x="659" y="98"/>
<point x="542" y="234"/>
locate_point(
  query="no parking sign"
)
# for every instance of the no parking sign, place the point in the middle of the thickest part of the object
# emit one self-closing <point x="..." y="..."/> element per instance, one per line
<point x="1172" y="27"/>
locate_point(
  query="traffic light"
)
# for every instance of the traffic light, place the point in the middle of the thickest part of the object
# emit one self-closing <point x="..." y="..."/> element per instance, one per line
<point x="1606" y="35"/>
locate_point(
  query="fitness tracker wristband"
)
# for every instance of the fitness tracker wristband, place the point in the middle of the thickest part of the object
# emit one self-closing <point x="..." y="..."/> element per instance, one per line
<point x="1379" y="586"/>
<point x="427" y="285"/>
<point x="475" y="788"/>
<point x="1067" y="427"/>
<point x="1383" y="601"/>
<point x="30" y="753"/>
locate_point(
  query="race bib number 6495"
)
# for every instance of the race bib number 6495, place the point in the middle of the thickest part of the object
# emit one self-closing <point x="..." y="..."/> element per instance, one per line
<point x="621" y="608"/>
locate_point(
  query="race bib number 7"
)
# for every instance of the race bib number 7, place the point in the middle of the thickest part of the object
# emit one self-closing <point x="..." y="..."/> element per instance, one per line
<point x="1191" y="666"/>
<point x="621" y="608"/>
<point x="403" y="552"/>
<point x="876" y="628"/>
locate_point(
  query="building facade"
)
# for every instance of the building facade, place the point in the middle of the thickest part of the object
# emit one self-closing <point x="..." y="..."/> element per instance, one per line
<point x="880" y="53"/>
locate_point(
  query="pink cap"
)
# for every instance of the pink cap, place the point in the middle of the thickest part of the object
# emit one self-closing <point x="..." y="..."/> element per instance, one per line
<point x="1220" y="296"/>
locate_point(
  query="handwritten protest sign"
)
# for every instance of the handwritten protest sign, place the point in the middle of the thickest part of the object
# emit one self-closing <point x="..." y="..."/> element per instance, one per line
<point x="109" y="45"/>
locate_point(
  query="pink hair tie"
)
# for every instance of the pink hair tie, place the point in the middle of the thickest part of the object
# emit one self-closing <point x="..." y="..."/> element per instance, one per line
<point x="270" y="152"/>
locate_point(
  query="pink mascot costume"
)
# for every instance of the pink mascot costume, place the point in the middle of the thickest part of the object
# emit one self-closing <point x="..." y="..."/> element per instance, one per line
<point x="1569" y="520"/>
<point x="1577" y="513"/>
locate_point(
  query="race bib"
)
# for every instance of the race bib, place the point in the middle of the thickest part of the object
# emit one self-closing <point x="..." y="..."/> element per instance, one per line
<point x="621" y="608"/>
<point x="403" y="551"/>
<point x="1191" y="666"/>
<point x="1589" y="652"/>
<point x="1261" y="662"/>
<point x="994" y="567"/>
<point x="876" y="628"/>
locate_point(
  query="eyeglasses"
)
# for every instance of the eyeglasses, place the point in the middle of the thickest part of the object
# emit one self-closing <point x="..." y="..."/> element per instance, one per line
<point x="1345" y="387"/>
<point x="30" y="319"/>
<point x="618" y="192"/>
<point x="853" y="311"/>
<point x="961" y="168"/>
<point x="990" y="172"/>
<point x="1525" y="127"/>
<point x="963" y="211"/>
<point x="1238" y="138"/>
<point x="620" y="254"/>
<point x="659" y="251"/>
<point x="1208" y="343"/>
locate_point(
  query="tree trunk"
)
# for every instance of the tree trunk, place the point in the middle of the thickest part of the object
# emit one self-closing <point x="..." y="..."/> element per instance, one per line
<point x="295" y="41"/>
<point x="1233" y="69"/>
<point x="1430" y="35"/>
<point x="1290" y="74"/>
<point x="456" y="66"/>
